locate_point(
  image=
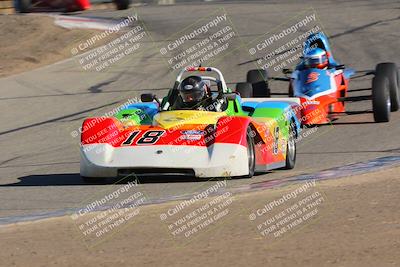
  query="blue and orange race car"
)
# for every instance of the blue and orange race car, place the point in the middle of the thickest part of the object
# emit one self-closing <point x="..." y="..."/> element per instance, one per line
<point x="323" y="88"/>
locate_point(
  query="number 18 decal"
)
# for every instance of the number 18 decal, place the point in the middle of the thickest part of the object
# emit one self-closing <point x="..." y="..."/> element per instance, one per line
<point x="148" y="138"/>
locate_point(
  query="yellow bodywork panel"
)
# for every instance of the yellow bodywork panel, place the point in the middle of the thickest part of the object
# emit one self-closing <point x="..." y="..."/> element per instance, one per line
<point x="177" y="118"/>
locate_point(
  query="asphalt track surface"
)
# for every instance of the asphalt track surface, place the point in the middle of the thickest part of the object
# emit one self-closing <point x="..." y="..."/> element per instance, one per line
<point x="39" y="163"/>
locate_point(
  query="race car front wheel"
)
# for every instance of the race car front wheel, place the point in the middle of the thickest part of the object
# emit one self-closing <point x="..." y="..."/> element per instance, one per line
<point x="251" y="156"/>
<point x="291" y="148"/>
<point x="381" y="103"/>
<point x="391" y="72"/>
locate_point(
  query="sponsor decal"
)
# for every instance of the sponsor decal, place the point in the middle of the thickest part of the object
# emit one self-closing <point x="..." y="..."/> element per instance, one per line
<point x="195" y="132"/>
<point x="312" y="102"/>
<point x="312" y="77"/>
<point x="192" y="134"/>
<point x="276" y="141"/>
<point x="283" y="146"/>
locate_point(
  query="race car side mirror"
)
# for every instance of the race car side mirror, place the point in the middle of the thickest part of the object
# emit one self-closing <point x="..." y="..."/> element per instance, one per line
<point x="147" y="97"/>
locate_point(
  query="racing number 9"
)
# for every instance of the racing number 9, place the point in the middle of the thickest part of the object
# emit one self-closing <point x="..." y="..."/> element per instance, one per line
<point x="148" y="138"/>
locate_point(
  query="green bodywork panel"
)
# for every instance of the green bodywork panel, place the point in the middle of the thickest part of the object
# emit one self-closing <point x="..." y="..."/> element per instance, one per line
<point x="135" y="115"/>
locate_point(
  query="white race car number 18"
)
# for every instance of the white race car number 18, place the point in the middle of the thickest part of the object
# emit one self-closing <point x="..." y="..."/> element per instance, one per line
<point x="147" y="138"/>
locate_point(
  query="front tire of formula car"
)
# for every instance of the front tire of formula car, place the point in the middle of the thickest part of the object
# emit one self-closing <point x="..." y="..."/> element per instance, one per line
<point x="381" y="103"/>
<point x="245" y="90"/>
<point x="391" y="72"/>
<point x="251" y="155"/>
<point x="291" y="148"/>
<point x="259" y="80"/>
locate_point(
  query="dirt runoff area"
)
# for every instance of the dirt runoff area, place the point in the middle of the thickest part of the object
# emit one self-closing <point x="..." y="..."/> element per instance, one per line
<point x="346" y="222"/>
<point x="32" y="41"/>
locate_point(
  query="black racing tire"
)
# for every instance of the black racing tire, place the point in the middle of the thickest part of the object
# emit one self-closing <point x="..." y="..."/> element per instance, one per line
<point x="381" y="103"/>
<point x="122" y="4"/>
<point x="245" y="90"/>
<point x="259" y="80"/>
<point x="24" y="5"/>
<point x="391" y="72"/>
<point x="251" y="155"/>
<point x="291" y="150"/>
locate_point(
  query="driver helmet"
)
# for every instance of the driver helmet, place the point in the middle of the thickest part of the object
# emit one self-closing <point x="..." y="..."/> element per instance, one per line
<point x="193" y="89"/>
<point x="316" y="58"/>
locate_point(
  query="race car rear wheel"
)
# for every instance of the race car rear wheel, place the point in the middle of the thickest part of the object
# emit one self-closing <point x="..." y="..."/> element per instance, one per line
<point x="259" y="80"/>
<point x="251" y="156"/>
<point x="381" y="103"/>
<point x="291" y="148"/>
<point x="391" y="72"/>
<point x="245" y="90"/>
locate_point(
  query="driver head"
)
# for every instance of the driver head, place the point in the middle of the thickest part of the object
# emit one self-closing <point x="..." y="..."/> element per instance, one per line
<point x="192" y="89"/>
<point x="316" y="58"/>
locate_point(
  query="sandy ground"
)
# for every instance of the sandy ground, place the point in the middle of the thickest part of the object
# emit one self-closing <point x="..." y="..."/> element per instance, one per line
<point x="356" y="224"/>
<point x="31" y="41"/>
